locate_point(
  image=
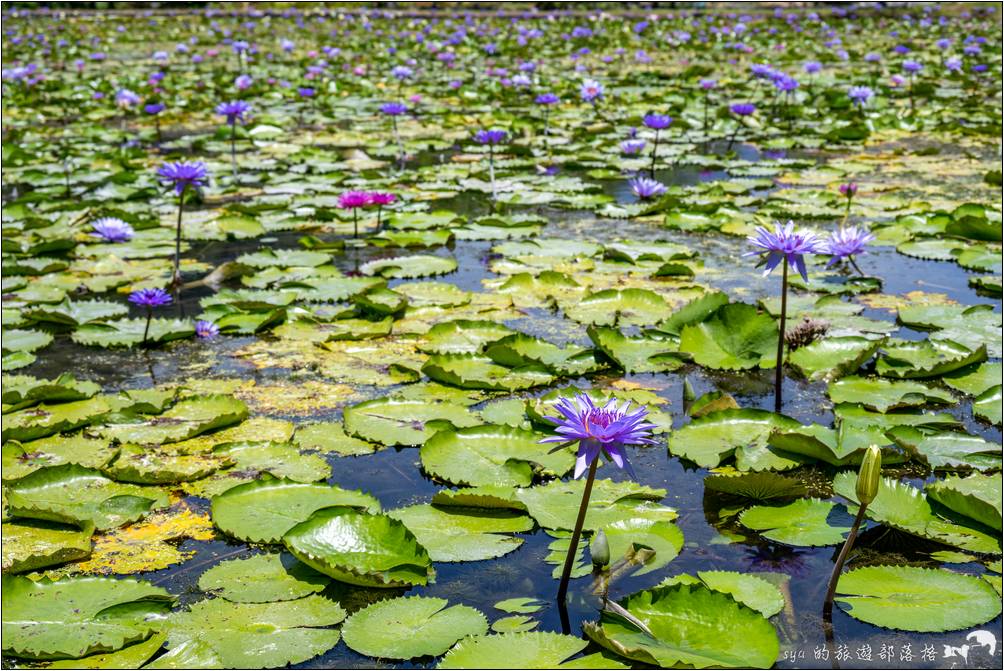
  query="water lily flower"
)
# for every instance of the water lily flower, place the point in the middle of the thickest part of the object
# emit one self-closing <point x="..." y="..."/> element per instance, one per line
<point x="591" y="91"/>
<point x="393" y="109"/>
<point x="402" y="72"/>
<point x="234" y="111"/>
<point x="632" y="147"/>
<point x="848" y="190"/>
<point x="859" y="95"/>
<point x="149" y="299"/>
<point x="785" y="246"/>
<point x="206" y="330"/>
<point x="606" y="430"/>
<point x="126" y="98"/>
<point x="656" y="122"/>
<point x="380" y="199"/>
<point x="353" y="200"/>
<point x="741" y="110"/>
<point x="243" y="82"/>
<point x="112" y="229"/>
<point x="645" y="188"/>
<point x="491" y="137"/>
<point x="846" y="243"/>
<point x="182" y="176"/>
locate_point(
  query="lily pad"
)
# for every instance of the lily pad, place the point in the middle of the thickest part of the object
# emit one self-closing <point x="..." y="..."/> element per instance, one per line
<point x="371" y="550"/>
<point x="734" y="337"/>
<point x="404" y="422"/>
<point x="263" y="578"/>
<point x="453" y="534"/>
<point x="801" y="523"/>
<point x="409" y="627"/>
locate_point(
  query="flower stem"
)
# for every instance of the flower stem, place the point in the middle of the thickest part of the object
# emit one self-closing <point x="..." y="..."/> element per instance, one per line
<point x="233" y="149"/>
<point x="146" y="329"/>
<point x="355" y="222"/>
<point x="655" y="149"/>
<point x="831" y="588"/>
<point x="855" y="264"/>
<point x="491" y="169"/>
<point x="573" y="545"/>
<point x="397" y="139"/>
<point x="177" y="239"/>
<point x="779" y="369"/>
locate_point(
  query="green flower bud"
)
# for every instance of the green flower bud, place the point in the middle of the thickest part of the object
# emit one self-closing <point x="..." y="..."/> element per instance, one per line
<point x="599" y="549"/>
<point x="689" y="395"/>
<point x="870" y="475"/>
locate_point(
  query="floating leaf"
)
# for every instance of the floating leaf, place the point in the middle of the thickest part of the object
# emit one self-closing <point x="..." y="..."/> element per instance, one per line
<point x="749" y="590"/>
<point x="70" y="493"/>
<point x="555" y="505"/>
<point x="690" y="625"/>
<point x="409" y="627"/>
<point x="263" y="578"/>
<point x="470" y="371"/>
<point x="492" y="455"/>
<point x="620" y="307"/>
<point x="404" y="422"/>
<point x="884" y="395"/>
<point x="264" y="510"/>
<point x="734" y="337"/>
<point x="74" y="617"/>
<point x="45" y="420"/>
<point x="453" y="534"/>
<point x="256" y="636"/>
<point x="711" y="439"/>
<point x="917" y="599"/>
<point x="360" y="548"/>
<point x="519" y="650"/>
<point x="186" y="419"/>
<point x="800" y="523"/>
<point x="976" y="496"/>
<point x="35" y="544"/>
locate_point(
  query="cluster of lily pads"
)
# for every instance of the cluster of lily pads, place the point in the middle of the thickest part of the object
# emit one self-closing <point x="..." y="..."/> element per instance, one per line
<point x="429" y="242"/>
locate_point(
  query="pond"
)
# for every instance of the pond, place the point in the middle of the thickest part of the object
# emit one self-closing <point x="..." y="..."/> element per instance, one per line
<point x="371" y="406"/>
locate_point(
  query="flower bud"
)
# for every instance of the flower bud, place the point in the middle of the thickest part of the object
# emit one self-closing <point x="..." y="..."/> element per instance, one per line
<point x="599" y="549"/>
<point x="689" y="395"/>
<point x="870" y="475"/>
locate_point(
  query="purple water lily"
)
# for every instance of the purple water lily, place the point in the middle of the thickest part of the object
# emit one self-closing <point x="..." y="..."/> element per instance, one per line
<point x="591" y="91"/>
<point x="234" y="111"/>
<point x="784" y="244"/>
<point x="149" y="299"/>
<point x="632" y="147"/>
<point x="182" y="175"/>
<point x="607" y="429"/>
<point x="112" y="229"/>
<point x="393" y="109"/>
<point x="860" y="95"/>
<point x="547" y="99"/>
<point x="206" y="330"/>
<point x="846" y="243"/>
<point x="656" y="122"/>
<point x="491" y="137"/>
<point x="742" y="109"/>
<point x="646" y="188"/>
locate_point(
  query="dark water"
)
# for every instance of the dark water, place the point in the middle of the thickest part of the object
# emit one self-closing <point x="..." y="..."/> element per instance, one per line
<point x="395" y="478"/>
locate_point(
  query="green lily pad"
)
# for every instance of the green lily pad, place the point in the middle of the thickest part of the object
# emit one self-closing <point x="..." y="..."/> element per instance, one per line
<point x="420" y="265"/>
<point x="409" y="627"/>
<point x="690" y="624"/>
<point x="45" y="420"/>
<point x="625" y="537"/>
<point x="129" y="332"/>
<point x="492" y="455"/>
<point x="734" y="337"/>
<point x="555" y="505"/>
<point x="470" y="371"/>
<point x="74" y="494"/>
<point x="454" y="534"/>
<point x="251" y="635"/>
<point x="709" y="440"/>
<point x="884" y="395"/>
<point x="462" y="336"/>
<point x="801" y="523"/>
<point x="20" y="459"/>
<point x="926" y="358"/>
<point x="371" y="550"/>
<point x="34" y="544"/>
<point x="262" y="578"/>
<point x="976" y="496"/>
<point x="620" y="307"/>
<point x="917" y="599"/>
<point x="637" y="354"/>
<point x="522" y="650"/>
<point x="404" y="422"/>
<point x="75" y="617"/>
<point x="747" y="589"/>
<point x="264" y="510"/>
<point x="21" y="391"/>
<point x="186" y="419"/>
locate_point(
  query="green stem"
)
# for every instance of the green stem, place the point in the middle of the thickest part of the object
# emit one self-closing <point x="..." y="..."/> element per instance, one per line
<point x="655" y="149"/>
<point x="831" y="588"/>
<point x="573" y="546"/>
<point x="779" y="370"/>
<point x="233" y="149"/>
<point x="177" y="239"/>
<point x="146" y="329"/>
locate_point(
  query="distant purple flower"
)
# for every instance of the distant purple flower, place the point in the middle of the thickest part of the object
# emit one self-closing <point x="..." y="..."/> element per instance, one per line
<point x="849" y="190"/>
<point x="206" y="330"/>
<point x="784" y="243"/>
<point x="112" y="229"/>
<point x="762" y="70"/>
<point x="234" y="111"/>
<point x="646" y="188"/>
<point x="402" y="72"/>
<point x="632" y="147"/>
<point x="742" y="109"/>
<point x="393" y="109"/>
<point x="812" y="67"/>
<point x="847" y="242"/>
<point x="943" y="43"/>
<point x="243" y="82"/>
<point x="897" y="80"/>
<point x="708" y="84"/>
<point x="657" y="121"/>
<point x="912" y="67"/>
<point x="150" y="298"/>
<point x="154" y="109"/>
<point x="305" y="92"/>
<point x="786" y="84"/>
<point x="608" y="429"/>
<point x="181" y="175"/>
<point x="591" y="90"/>
<point x="547" y="99"/>
<point x="491" y="136"/>
<point x="953" y="64"/>
<point x="872" y="57"/>
<point x="901" y="49"/>
<point x="126" y="98"/>
<point x="859" y="95"/>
